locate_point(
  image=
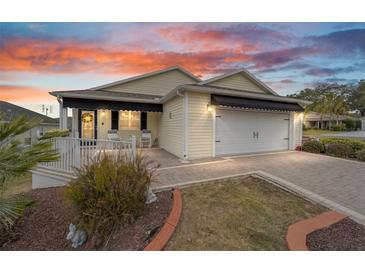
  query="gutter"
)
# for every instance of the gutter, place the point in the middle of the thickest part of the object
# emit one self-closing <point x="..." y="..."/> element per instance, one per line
<point x="233" y="93"/>
<point x="110" y="98"/>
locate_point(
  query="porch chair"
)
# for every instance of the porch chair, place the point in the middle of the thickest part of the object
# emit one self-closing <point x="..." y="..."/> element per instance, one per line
<point x="113" y="135"/>
<point x="146" y="138"/>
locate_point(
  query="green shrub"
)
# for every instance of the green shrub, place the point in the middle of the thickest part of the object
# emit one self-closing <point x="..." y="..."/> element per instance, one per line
<point x="339" y="150"/>
<point x="352" y="123"/>
<point x="356" y="145"/>
<point x="358" y="124"/>
<point x="313" y="147"/>
<point x="109" y="192"/>
<point x="339" y="127"/>
<point x="360" y="155"/>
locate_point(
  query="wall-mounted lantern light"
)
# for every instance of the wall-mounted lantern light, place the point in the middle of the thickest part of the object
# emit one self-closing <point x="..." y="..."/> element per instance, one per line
<point x="209" y="107"/>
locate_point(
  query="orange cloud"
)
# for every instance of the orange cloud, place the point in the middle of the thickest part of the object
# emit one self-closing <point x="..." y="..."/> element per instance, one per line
<point x="32" y="55"/>
<point x="195" y="38"/>
<point x="25" y="94"/>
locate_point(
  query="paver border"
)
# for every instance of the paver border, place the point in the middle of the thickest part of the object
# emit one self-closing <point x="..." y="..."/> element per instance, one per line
<point x="296" y="235"/>
<point x="165" y="233"/>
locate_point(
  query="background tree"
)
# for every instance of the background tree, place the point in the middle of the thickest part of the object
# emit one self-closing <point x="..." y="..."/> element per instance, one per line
<point x="16" y="159"/>
<point x="357" y="98"/>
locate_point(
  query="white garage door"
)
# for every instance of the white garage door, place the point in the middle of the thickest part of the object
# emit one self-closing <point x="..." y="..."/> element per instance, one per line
<point x="247" y="132"/>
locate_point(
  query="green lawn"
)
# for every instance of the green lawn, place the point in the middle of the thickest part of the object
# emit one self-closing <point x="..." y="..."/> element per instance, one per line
<point x="239" y="214"/>
<point x="319" y="132"/>
<point x="19" y="185"/>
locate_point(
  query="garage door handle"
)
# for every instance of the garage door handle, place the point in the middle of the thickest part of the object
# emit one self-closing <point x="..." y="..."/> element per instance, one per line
<point x="217" y="141"/>
<point x="286" y="138"/>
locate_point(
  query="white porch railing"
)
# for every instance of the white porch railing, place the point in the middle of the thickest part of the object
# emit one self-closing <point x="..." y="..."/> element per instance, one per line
<point x="76" y="152"/>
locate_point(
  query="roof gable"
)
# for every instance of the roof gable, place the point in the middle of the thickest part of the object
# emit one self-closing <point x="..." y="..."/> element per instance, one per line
<point x="239" y="80"/>
<point x="156" y="83"/>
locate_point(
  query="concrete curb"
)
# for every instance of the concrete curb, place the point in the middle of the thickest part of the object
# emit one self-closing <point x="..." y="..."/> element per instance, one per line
<point x="164" y="235"/>
<point x="296" y="236"/>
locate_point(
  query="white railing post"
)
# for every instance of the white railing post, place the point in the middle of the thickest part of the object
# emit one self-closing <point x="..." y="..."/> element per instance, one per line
<point x="134" y="146"/>
<point x="76" y="152"/>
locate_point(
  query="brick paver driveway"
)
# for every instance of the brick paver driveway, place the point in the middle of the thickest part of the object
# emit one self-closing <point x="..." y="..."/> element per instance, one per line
<point x="340" y="183"/>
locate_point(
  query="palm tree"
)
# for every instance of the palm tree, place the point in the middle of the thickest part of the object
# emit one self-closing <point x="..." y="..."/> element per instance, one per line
<point x="17" y="159"/>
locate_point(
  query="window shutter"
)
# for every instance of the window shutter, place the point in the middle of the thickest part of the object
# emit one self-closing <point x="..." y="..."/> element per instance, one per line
<point x="143" y="120"/>
<point x="115" y="119"/>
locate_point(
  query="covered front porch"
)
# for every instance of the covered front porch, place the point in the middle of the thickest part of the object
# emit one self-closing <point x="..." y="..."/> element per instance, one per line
<point x="113" y="120"/>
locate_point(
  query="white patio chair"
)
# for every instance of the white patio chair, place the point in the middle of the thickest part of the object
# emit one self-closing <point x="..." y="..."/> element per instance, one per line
<point x="146" y="138"/>
<point x="113" y="135"/>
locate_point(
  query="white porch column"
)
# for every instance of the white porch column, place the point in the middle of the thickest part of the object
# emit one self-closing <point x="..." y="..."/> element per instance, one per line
<point x="63" y="116"/>
<point x="75" y="123"/>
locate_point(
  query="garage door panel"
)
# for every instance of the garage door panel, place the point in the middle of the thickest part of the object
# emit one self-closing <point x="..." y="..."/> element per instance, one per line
<point x="235" y="130"/>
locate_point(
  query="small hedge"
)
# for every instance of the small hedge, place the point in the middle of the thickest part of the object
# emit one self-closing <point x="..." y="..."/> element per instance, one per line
<point x="352" y="123"/>
<point x="339" y="150"/>
<point x="356" y="145"/>
<point x="313" y="146"/>
<point x="339" y="127"/>
<point x="360" y="155"/>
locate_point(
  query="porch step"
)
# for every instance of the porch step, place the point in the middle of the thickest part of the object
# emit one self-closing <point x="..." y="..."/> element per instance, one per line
<point x="43" y="177"/>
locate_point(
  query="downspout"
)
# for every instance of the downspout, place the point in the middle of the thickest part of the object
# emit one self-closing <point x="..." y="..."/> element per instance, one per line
<point x="185" y="124"/>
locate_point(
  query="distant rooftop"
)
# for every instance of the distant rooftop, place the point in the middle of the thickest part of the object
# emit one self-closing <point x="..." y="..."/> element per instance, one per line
<point x="10" y="111"/>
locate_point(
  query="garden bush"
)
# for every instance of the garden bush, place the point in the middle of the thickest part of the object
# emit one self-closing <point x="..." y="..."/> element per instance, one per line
<point x="352" y="123"/>
<point x="108" y="193"/>
<point x="339" y="150"/>
<point x="360" y="155"/>
<point x="313" y="146"/>
<point x="356" y="145"/>
<point x="339" y="127"/>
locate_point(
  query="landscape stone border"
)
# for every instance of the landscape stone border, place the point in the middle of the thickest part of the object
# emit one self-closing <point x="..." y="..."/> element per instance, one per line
<point x="296" y="236"/>
<point x="165" y="233"/>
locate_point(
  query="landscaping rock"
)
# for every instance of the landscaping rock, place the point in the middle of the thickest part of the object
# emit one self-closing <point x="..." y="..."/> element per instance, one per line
<point x="76" y="236"/>
<point x="151" y="197"/>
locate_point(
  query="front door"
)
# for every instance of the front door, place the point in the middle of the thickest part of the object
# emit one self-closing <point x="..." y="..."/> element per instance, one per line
<point x="88" y="124"/>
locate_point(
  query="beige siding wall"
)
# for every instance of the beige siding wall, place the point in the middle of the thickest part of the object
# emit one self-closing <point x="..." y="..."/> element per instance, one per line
<point x="153" y="124"/>
<point x="298" y="129"/>
<point x="200" y="126"/>
<point x="171" y="127"/>
<point x="238" y="81"/>
<point x="159" y="84"/>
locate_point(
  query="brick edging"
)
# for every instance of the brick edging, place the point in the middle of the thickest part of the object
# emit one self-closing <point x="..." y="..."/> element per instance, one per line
<point x="296" y="236"/>
<point x="165" y="233"/>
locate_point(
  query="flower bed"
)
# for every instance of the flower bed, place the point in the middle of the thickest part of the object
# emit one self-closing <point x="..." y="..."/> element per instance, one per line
<point x="45" y="224"/>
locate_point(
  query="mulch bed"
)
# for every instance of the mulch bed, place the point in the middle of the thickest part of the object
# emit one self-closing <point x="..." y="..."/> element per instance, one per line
<point x="345" y="235"/>
<point x="44" y="225"/>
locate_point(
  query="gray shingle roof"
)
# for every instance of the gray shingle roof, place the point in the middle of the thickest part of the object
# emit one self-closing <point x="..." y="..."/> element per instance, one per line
<point x="10" y="111"/>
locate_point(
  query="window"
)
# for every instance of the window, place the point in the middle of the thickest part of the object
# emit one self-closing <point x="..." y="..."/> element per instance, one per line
<point x="115" y="119"/>
<point x="129" y="120"/>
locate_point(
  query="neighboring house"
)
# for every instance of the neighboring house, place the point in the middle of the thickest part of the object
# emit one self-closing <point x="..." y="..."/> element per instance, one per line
<point x="10" y="111"/>
<point x="190" y="118"/>
<point x="314" y="120"/>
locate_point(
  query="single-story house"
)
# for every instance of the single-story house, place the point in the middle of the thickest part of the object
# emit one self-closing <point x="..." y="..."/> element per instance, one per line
<point x="191" y="118"/>
<point x="10" y="111"/>
<point x="316" y="120"/>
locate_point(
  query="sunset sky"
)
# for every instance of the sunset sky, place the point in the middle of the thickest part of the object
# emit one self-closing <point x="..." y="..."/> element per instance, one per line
<point x="36" y="58"/>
